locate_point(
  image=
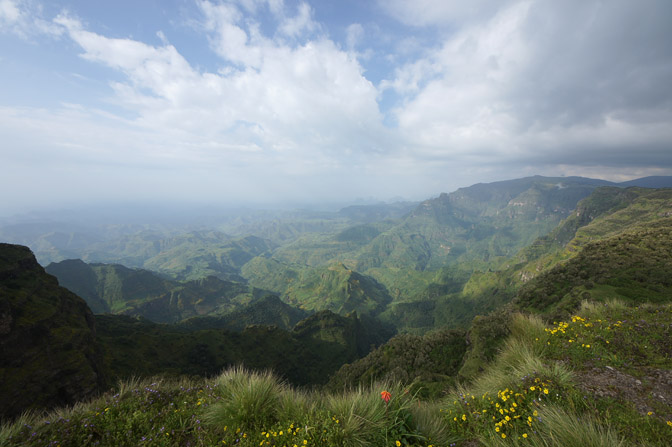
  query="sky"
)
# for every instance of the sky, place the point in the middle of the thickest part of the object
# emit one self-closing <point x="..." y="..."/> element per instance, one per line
<point x="228" y="101"/>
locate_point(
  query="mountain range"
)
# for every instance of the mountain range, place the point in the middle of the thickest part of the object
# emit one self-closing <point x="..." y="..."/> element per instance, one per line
<point x="448" y="275"/>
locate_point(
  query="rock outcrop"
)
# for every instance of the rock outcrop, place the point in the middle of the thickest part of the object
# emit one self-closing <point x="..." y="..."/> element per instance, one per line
<point x="48" y="351"/>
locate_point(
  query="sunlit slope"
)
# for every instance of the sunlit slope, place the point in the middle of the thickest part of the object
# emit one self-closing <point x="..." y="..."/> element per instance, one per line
<point x="334" y="287"/>
<point x="195" y="256"/>
<point x="473" y="228"/>
<point x="633" y="265"/>
<point x="181" y="255"/>
<point x="477" y="224"/>
<point x="635" y="213"/>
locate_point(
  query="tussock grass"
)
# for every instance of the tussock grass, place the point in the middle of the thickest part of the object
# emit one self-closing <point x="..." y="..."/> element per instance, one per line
<point x="558" y="428"/>
<point x="431" y="425"/>
<point x="125" y="387"/>
<point x="11" y="429"/>
<point x="359" y="415"/>
<point x="249" y="399"/>
<point x="596" y="310"/>
<point x="567" y="429"/>
<point x="526" y="328"/>
<point x="521" y="356"/>
<point x="296" y="405"/>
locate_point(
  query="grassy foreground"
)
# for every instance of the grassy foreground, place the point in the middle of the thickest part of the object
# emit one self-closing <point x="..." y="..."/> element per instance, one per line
<point x="551" y="385"/>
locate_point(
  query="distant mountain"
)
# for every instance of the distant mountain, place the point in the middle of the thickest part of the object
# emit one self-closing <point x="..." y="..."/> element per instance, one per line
<point x="442" y="255"/>
<point x="481" y="222"/>
<point x="608" y="212"/>
<point x="375" y="213"/>
<point x="113" y="288"/>
<point x="453" y="298"/>
<point x="334" y="287"/>
<point x="412" y="259"/>
<point x="650" y="182"/>
<point x="200" y="254"/>
<point x="48" y="354"/>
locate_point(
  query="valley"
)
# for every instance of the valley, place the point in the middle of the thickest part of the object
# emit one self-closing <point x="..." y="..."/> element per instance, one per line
<point x="450" y="295"/>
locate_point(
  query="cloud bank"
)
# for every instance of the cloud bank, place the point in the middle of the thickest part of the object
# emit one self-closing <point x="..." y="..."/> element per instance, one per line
<point x="286" y="109"/>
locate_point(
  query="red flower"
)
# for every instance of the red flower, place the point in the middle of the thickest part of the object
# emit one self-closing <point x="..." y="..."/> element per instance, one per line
<point x="385" y="396"/>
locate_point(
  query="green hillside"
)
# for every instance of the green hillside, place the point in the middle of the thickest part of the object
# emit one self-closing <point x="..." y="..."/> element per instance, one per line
<point x="633" y="265"/>
<point x="606" y="212"/>
<point x="478" y="224"/>
<point x="629" y="258"/>
<point x="113" y="288"/>
<point x="308" y="354"/>
<point x="334" y="287"/>
<point x="570" y="345"/>
<point x="267" y="310"/>
<point x="55" y="352"/>
<point x="423" y="262"/>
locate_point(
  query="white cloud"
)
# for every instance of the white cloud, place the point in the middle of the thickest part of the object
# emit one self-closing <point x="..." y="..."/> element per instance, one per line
<point x="9" y="12"/>
<point x="230" y="40"/>
<point x="441" y="12"/>
<point x="23" y="18"/>
<point x="544" y="81"/>
<point x="302" y="110"/>
<point x="517" y="89"/>
<point x="455" y="107"/>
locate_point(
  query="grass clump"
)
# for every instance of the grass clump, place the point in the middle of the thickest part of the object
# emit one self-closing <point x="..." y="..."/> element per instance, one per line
<point x="247" y="399"/>
<point x="366" y="417"/>
<point x="507" y="413"/>
<point x="557" y="427"/>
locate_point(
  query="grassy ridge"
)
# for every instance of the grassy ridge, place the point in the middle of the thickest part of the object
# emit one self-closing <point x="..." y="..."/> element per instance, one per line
<point x="529" y="396"/>
<point x="607" y="213"/>
<point x="632" y="265"/>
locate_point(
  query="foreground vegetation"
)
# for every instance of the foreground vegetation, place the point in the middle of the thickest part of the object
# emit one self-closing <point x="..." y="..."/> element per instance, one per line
<point x="600" y="378"/>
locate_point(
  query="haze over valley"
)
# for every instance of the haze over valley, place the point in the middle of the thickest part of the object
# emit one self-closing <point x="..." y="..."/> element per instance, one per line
<point x="287" y="222"/>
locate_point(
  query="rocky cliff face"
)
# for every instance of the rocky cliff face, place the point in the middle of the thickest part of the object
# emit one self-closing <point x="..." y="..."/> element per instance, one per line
<point x="48" y="352"/>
